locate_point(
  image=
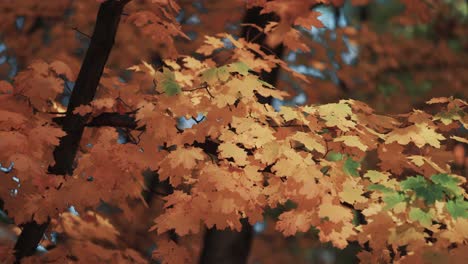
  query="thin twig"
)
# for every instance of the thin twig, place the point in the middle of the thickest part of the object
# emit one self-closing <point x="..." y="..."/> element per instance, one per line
<point x="202" y="86"/>
<point x="56" y="113"/>
<point x="198" y="121"/>
<point x="81" y="32"/>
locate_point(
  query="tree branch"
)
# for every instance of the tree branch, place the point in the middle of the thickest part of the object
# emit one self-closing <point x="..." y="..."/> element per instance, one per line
<point x="101" y="44"/>
<point x="113" y="120"/>
<point x="229" y="246"/>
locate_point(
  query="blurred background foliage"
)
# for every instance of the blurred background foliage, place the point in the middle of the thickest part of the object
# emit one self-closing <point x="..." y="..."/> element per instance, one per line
<point x="390" y="55"/>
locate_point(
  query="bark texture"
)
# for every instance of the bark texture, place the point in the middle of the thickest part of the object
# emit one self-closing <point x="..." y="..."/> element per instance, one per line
<point x="86" y="84"/>
<point x="227" y="246"/>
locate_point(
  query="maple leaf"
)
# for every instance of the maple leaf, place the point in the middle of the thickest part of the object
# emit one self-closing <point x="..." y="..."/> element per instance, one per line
<point x="39" y="74"/>
<point x="439" y="100"/>
<point x="377" y="176"/>
<point x="5" y="87"/>
<point x="88" y="226"/>
<point x="352" y="192"/>
<point x="289" y="113"/>
<point x="46" y="135"/>
<point x="378" y="226"/>
<point x="392" y="157"/>
<point x="420" y="134"/>
<point x="449" y="183"/>
<point x="311" y="20"/>
<point x="166" y="80"/>
<point x="83" y="110"/>
<point x="351" y="141"/>
<point x="60" y="68"/>
<point x="458" y="208"/>
<point x="260" y="157"/>
<point x="406" y="236"/>
<point x="11" y="120"/>
<point x="424" y="218"/>
<point x="230" y="150"/>
<point x="291" y="222"/>
<point x="421" y="160"/>
<point x="457" y="232"/>
<point x="185" y="157"/>
<point x="177" y="216"/>
<point x="178" y="164"/>
<point x="424" y="189"/>
<point x="310" y="141"/>
<point x="270" y="152"/>
<point x="292" y="40"/>
<point x="351" y="167"/>
<point x="394" y="200"/>
<point x="334" y="213"/>
<point x="169" y="252"/>
<point x="337" y="115"/>
<point x="211" y="45"/>
<point x="103" y="103"/>
<point x="460" y="139"/>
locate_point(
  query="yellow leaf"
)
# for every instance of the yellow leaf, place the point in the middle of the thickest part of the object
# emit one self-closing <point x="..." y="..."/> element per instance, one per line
<point x="352" y="192"/>
<point x="309" y="141"/>
<point x="335" y="213"/>
<point x="410" y="235"/>
<point x="420" y="160"/>
<point x="460" y="139"/>
<point x="289" y="113"/>
<point x="372" y="209"/>
<point x="457" y="232"/>
<point x="377" y="176"/>
<point x="351" y="141"/>
<point x="420" y="134"/>
<point x="337" y="115"/>
<point x="185" y="157"/>
<point x="230" y="150"/>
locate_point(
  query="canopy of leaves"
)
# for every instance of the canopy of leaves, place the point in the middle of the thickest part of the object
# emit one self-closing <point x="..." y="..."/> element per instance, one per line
<point x="241" y="158"/>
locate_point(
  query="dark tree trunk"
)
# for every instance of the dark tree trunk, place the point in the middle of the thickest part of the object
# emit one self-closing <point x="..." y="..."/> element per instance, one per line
<point x="253" y="16"/>
<point x="28" y="240"/>
<point x="227" y="246"/>
<point x="102" y="40"/>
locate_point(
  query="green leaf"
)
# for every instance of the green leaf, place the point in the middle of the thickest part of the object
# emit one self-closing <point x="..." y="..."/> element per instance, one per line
<point x="213" y="75"/>
<point x="334" y="156"/>
<point x="414" y="182"/>
<point x="325" y="170"/>
<point x="223" y="73"/>
<point x="423" y="189"/>
<point x="380" y="188"/>
<point x="351" y="167"/>
<point x="432" y="194"/>
<point x="458" y="208"/>
<point x="449" y="183"/>
<point x="210" y="76"/>
<point x="239" y="67"/>
<point x="323" y="131"/>
<point x="387" y="89"/>
<point x="168" y="83"/>
<point x="416" y="214"/>
<point x="356" y="220"/>
<point x="393" y="199"/>
<point x="171" y="88"/>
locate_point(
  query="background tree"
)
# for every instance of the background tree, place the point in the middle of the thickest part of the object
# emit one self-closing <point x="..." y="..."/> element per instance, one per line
<point x="176" y="117"/>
